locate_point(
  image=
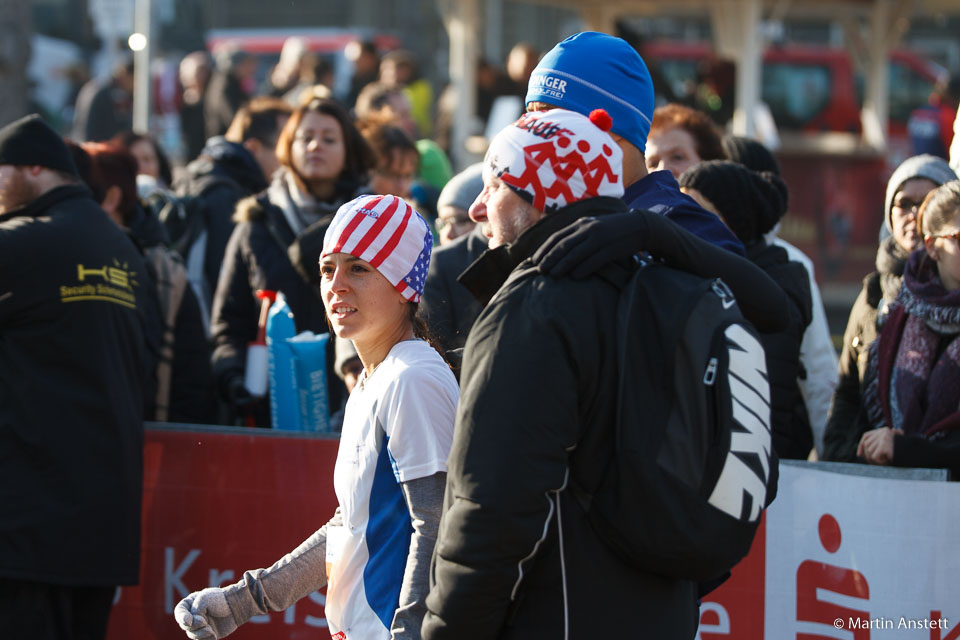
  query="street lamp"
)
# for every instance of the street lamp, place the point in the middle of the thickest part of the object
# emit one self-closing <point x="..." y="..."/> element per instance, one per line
<point x="137" y="42"/>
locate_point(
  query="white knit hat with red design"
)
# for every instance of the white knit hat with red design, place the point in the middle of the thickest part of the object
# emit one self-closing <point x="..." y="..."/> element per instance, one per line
<point x="558" y="157"/>
<point x="389" y="234"/>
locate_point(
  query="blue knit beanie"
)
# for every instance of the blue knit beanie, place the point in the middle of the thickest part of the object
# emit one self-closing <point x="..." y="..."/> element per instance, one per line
<point x="591" y="70"/>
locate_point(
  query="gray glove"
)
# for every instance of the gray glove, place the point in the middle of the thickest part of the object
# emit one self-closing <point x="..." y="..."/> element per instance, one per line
<point x="205" y="615"/>
<point x="216" y="612"/>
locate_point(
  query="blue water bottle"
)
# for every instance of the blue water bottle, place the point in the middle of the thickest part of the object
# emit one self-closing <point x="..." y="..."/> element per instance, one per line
<point x="284" y="400"/>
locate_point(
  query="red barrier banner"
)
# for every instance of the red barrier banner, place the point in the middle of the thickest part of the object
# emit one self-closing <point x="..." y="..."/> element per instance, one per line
<point x="217" y="502"/>
<point x="837" y="555"/>
<point x="735" y="609"/>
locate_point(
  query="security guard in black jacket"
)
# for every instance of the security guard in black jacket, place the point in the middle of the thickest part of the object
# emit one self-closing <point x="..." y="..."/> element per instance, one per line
<point x="73" y="364"/>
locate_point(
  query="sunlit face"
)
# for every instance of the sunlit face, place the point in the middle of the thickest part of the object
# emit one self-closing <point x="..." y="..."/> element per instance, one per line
<point x="148" y="164"/>
<point x="452" y="222"/>
<point x="361" y="304"/>
<point x="15" y="189"/>
<point x="945" y="249"/>
<point x="318" y="152"/>
<point x="673" y="150"/>
<point x="903" y="213"/>
<point x="395" y="176"/>
<point x="504" y="214"/>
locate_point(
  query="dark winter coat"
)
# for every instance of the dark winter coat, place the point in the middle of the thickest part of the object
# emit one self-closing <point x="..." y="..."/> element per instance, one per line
<point x="792" y="437"/>
<point x="102" y="111"/>
<point x="847" y="423"/>
<point x="221" y="101"/>
<point x="192" y="129"/>
<point x="448" y="306"/>
<point x="190" y="398"/>
<point x="224" y="174"/>
<point x="258" y="257"/>
<point x="536" y="406"/>
<point x="73" y="360"/>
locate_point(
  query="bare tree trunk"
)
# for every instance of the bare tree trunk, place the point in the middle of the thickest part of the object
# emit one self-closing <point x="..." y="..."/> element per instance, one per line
<point x="15" y="29"/>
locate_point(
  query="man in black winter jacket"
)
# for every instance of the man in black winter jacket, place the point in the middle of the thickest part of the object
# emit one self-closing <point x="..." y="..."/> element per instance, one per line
<point x="73" y="361"/>
<point x="229" y="169"/>
<point x="516" y="557"/>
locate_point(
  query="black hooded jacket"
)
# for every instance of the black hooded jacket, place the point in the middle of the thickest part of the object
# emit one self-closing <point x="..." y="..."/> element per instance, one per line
<point x="790" y="425"/>
<point x="73" y="361"/>
<point x="224" y="174"/>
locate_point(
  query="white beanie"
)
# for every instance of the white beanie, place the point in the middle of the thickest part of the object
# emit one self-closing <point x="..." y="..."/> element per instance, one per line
<point x="555" y="158"/>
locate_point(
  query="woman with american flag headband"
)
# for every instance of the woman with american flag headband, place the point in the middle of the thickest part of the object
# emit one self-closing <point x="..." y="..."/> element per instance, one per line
<point x="374" y="554"/>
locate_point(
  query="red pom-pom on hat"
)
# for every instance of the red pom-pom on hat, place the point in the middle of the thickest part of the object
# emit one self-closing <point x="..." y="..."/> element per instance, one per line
<point x="601" y="119"/>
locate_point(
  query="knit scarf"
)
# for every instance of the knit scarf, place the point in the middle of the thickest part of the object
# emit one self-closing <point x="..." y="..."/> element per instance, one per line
<point x="300" y="209"/>
<point x="913" y="373"/>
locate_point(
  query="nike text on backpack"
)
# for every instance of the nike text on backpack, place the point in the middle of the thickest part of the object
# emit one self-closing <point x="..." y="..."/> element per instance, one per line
<point x="693" y="466"/>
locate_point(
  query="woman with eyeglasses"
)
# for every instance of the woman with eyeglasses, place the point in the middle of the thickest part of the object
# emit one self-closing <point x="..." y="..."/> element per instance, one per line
<point x="324" y="161"/>
<point x="906" y="190"/>
<point x="912" y="383"/>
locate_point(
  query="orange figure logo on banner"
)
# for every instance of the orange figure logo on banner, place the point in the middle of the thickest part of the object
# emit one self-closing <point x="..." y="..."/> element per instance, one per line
<point x="815" y="576"/>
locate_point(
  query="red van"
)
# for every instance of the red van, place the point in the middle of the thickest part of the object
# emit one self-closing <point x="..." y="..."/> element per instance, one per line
<point x="836" y="199"/>
<point x="807" y="88"/>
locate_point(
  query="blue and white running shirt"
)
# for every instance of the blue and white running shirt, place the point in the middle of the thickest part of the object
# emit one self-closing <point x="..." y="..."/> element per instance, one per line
<point x="397" y="426"/>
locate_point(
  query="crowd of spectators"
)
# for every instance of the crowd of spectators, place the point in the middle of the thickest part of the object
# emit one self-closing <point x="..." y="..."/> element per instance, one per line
<point x="269" y="171"/>
<point x="246" y="165"/>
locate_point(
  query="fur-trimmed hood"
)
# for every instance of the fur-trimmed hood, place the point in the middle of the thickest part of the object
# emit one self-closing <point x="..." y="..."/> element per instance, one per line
<point x="251" y="208"/>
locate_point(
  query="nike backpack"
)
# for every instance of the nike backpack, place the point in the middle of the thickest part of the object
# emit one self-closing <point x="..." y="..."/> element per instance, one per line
<point x="693" y="465"/>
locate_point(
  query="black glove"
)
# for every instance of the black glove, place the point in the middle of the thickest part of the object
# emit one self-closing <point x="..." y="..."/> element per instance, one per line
<point x="586" y="246"/>
<point x="236" y="394"/>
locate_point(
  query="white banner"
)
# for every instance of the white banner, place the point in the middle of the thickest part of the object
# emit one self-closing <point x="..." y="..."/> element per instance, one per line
<point x="859" y="558"/>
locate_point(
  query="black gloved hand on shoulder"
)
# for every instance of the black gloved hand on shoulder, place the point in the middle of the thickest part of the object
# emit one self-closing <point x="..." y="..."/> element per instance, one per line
<point x="584" y="247"/>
